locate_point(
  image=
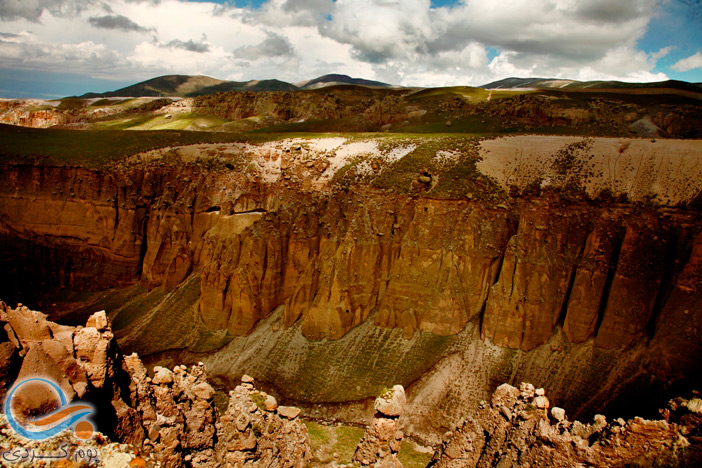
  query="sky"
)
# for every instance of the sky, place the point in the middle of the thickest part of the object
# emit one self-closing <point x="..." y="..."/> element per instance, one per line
<point x="55" y="48"/>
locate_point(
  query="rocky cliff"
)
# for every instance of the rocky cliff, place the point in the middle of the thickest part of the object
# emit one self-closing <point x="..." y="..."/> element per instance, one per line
<point x="296" y="260"/>
<point x="170" y="417"/>
<point x="517" y="429"/>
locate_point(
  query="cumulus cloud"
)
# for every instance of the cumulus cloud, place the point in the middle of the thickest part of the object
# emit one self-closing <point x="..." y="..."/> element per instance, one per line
<point x="190" y="45"/>
<point x="274" y="45"/>
<point x="406" y="42"/>
<point x="689" y="63"/>
<point x="294" y="12"/>
<point x="26" y="51"/>
<point x="33" y="9"/>
<point x="116" y="22"/>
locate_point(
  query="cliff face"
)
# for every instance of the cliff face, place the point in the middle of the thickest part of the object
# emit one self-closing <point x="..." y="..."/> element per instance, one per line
<point x="176" y="417"/>
<point x="171" y="416"/>
<point x="529" y="274"/>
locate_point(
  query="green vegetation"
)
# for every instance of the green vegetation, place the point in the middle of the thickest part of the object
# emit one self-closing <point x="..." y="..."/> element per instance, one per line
<point x="411" y="458"/>
<point x="326" y="441"/>
<point x="179" y="121"/>
<point x="132" y="310"/>
<point x="347" y="439"/>
<point x="210" y="340"/>
<point x="319" y="435"/>
<point x="466" y="92"/>
<point x="259" y="400"/>
<point x="71" y="103"/>
<point x="439" y="167"/>
<point x="93" y="148"/>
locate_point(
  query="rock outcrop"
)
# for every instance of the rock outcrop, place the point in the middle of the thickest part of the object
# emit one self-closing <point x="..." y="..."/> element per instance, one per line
<point x="170" y="416"/>
<point x="518" y="429"/>
<point x="382" y="440"/>
<point x="208" y="245"/>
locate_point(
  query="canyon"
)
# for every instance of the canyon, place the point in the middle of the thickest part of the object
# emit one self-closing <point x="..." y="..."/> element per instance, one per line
<point x="331" y="268"/>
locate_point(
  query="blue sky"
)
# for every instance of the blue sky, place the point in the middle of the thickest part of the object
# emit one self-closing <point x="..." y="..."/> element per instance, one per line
<point x="53" y="48"/>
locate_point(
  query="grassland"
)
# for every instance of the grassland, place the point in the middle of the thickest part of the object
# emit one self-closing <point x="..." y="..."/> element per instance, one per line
<point x="338" y="443"/>
<point x="331" y="443"/>
<point x="93" y="148"/>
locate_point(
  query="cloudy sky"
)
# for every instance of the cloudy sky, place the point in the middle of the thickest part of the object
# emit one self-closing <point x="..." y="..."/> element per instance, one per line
<point x="52" y="48"/>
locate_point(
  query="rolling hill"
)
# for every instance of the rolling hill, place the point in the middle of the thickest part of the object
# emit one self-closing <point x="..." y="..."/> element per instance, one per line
<point x="550" y="83"/>
<point x="198" y="85"/>
<point x="169" y="85"/>
<point x="336" y="79"/>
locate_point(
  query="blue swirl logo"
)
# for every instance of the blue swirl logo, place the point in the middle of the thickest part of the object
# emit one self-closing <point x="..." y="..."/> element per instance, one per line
<point x="46" y="426"/>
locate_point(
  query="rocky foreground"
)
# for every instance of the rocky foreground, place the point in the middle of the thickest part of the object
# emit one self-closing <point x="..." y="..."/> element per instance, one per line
<point x="171" y="418"/>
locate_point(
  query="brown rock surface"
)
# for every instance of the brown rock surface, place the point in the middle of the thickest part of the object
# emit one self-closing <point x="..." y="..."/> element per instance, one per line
<point x="382" y="440"/>
<point x="277" y="268"/>
<point x="171" y="416"/>
<point x="512" y="430"/>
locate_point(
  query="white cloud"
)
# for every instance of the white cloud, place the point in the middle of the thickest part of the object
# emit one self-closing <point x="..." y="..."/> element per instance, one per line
<point x="689" y="63"/>
<point x="399" y="41"/>
<point x="33" y="9"/>
<point x="274" y="45"/>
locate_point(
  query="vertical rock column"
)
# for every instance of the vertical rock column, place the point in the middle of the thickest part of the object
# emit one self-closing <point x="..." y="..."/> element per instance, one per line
<point x="381" y="441"/>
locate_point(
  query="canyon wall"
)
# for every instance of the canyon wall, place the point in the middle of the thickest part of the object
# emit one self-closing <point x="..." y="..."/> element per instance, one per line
<point x="276" y="271"/>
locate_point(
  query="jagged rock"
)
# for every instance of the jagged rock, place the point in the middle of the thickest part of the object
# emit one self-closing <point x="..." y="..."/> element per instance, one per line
<point x="445" y="260"/>
<point x="172" y="416"/>
<point x="98" y="320"/>
<point x="91" y="347"/>
<point x="487" y="439"/>
<point x="382" y="439"/>
<point x="247" y="379"/>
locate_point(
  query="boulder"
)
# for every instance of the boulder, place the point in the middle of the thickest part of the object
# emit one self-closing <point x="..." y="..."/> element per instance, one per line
<point x="289" y="412"/>
<point x="203" y="391"/>
<point x="162" y="376"/>
<point x="98" y="320"/>
<point x="391" y="403"/>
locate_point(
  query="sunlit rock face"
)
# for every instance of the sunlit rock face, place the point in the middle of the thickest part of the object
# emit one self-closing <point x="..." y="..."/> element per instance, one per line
<point x="283" y="268"/>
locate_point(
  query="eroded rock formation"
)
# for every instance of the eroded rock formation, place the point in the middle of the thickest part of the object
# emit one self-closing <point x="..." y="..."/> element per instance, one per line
<point x="170" y="416"/>
<point x="565" y="289"/>
<point x="518" y="429"/>
<point x="382" y="440"/>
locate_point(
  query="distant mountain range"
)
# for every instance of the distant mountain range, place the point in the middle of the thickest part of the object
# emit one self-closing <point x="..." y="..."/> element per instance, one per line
<point x="557" y="83"/>
<point x="198" y="85"/>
